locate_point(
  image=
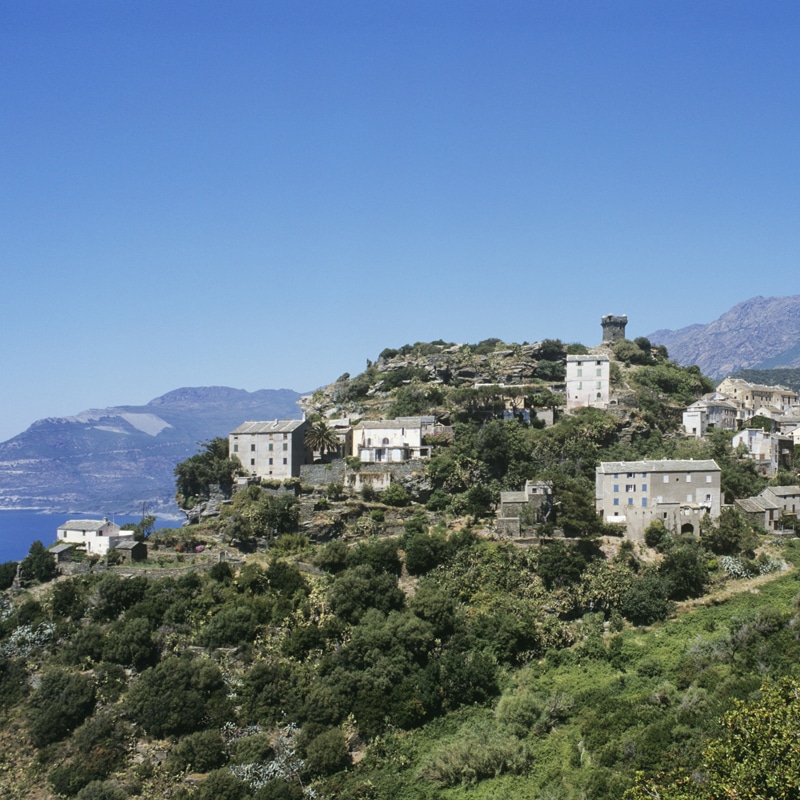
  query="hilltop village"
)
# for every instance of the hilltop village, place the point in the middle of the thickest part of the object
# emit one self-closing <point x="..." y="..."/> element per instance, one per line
<point x="471" y="571"/>
<point x="526" y="383"/>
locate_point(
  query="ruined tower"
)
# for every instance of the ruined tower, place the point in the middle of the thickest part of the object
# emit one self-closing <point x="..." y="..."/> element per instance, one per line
<point x="613" y="327"/>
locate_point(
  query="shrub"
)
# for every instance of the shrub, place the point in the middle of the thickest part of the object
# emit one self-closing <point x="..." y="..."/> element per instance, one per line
<point x="62" y="701"/>
<point x="327" y="753"/>
<point x="177" y="695"/>
<point x="478" y="752"/>
<point x="200" y="752"/>
<point x="395" y="495"/>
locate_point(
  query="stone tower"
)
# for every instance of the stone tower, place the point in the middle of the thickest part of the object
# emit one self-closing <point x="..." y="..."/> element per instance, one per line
<point x="613" y="327"/>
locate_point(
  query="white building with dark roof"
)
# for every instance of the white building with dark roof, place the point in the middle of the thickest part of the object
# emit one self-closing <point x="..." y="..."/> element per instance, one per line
<point x="273" y="449"/>
<point x="392" y="440"/>
<point x="677" y="492"/>
<point x="96" y="536"/>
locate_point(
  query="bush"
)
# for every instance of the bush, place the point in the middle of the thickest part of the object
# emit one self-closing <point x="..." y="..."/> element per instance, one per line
<point x="39" y="564"/>
<point x="177" y="696"/>
<point x="395" y="495"/>
<point x="200" y="752"/>
<point x="62" y="701"/>
<point x="327" y="754"/>
<point x="8" y="571"/>
<point x="477" y="752"/>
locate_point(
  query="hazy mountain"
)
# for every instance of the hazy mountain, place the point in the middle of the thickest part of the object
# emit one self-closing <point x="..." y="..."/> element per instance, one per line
<point x="760" y="333"/>
<point x="112" y="460"/>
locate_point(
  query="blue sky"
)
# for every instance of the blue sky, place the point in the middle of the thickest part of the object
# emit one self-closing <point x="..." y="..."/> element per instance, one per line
<point x="266" y="194"/>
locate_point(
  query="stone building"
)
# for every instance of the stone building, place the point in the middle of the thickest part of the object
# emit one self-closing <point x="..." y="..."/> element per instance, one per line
<point x="274" y="449"/>
<point x="677" y="492"/>
<point x="588" y="381"/>
<point x="613" y="328"/>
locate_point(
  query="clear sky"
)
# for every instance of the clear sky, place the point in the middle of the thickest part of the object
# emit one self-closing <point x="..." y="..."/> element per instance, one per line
<point x="265" y="194"/>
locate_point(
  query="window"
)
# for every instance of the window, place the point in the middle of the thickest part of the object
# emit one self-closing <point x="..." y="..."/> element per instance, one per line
<point x="284" y="460"/>
<point x="270" y="447"/>
<point x="270" y="462"/>
<point x="252" y="462"/>
<point x="285" y="446"/>
<point x="580" y="372"/>
<point x="252" y="448"/>
<point x="580" y="384"/>
<point x="643" y="474"/>
<point x="236" y="448"/>
<point x="630" y="487"/>
<point x="616" y="501"/>
<point x="630" y="501"/>
<point x="659" y="499"/>
<point x="285" y="435"/>
<point x="689" y="478"/>
<point x="644" y="487"/>
<point x="616" y="475"/>
<point x="616" y="487"/>
<point x="666" y="479"/>
<point x="630" y="474"/>
<point x="688" y="498"/>
<point x="599" y="372"/>
<point x="644" y="502"/>
<point x="708" y="479"/>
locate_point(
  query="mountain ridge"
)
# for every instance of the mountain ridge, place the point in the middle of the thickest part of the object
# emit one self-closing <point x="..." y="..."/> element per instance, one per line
<point x="759" y="333"/>
<point x="123" y="456"/>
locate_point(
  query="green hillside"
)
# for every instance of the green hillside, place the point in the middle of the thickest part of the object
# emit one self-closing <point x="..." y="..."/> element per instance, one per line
<point x="314" y="642"/>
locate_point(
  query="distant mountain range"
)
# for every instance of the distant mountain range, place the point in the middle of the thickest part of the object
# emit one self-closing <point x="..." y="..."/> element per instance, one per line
<point x="125" y="456"/>
<point x="761" y="333"/>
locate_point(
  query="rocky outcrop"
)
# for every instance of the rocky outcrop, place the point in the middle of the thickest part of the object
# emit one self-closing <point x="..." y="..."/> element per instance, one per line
<point x="760" y="333"/>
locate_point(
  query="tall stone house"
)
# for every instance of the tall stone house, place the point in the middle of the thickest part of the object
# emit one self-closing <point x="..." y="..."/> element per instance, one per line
<point x="677" y="492"/>
<point x="273" y="449"/>
<point x="588" y="381"/>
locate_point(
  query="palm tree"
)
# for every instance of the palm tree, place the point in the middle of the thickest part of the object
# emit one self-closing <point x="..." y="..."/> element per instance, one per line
<point x="320" y="437"/>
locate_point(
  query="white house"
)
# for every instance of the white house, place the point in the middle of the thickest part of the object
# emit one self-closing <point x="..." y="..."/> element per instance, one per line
<point x="392" y="440"/>
<point x="273" y="449"/>
<point x="588" y="381"/>
<point x="96" y="536"/>
<point x="770" y="451"/>
<point x="710" y="411"/>
<point x="677" y="492"/>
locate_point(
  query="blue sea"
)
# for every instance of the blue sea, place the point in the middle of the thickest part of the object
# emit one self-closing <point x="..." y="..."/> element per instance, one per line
<point x="20" y="529"/>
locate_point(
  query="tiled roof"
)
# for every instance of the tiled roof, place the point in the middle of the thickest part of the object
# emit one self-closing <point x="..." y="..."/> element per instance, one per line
<point x="663" y="465"/>
<point x="269" y="426"/>
<point x="83" y="525"/>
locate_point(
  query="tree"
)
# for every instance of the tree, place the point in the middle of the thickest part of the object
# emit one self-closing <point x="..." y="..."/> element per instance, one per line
<point x="39" y="564"/>
<point x="757" y="755"/>
<point x="730" y="535"/>
<point x="322" y="438"/>
<point x="62" y="701"/>
<point x="211" y="466"/>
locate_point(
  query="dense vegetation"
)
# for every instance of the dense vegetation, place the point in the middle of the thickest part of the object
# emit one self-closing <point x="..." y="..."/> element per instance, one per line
<point x="329" y="645"/>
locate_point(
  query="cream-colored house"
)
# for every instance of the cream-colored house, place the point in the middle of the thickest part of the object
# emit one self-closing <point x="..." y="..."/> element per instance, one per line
<point x="392" y="440"/>
<point x="588" y="381"/>
<point x="96" y="536"/>
<point x="677" y="492"/>
<point x="750" y="397"/>
<point x="274" y="449"/>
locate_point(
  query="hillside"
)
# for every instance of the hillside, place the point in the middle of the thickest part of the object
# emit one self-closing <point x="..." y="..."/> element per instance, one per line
<point x="113" y="459"/>
<point x="761" y="333"/>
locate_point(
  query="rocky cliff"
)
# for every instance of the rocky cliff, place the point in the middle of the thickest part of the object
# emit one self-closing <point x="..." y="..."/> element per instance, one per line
<point x="112" y="460"/>
<point x="760" y="333"/>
